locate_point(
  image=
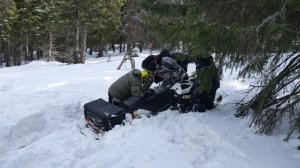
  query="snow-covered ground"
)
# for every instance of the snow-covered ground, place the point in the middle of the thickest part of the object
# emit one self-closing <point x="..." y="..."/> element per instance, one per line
<point x="41" y="115"/>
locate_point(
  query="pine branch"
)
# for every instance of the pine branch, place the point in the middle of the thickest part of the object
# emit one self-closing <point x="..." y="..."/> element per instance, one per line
<point x="268" y="110"/>
<point x="284" y="61"/>
<point x="272" y="18"/>
<point x="294" y="127"/>
<point x="227" y="2"/>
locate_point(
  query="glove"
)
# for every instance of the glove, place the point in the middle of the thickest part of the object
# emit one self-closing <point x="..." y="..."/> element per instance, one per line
<point x="168" y="75"/>
<point x="149" y="92"/>
<point x="157" y="79"/>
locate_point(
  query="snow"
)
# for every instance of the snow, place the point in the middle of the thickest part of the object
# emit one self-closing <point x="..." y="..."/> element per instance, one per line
<point x="41" y="115"/>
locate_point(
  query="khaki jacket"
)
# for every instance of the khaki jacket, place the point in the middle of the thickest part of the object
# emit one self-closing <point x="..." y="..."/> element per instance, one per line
<point x="128" y="85"/>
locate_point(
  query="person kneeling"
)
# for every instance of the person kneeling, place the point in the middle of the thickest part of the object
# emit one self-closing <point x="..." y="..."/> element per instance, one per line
<point x="130" y="88"/>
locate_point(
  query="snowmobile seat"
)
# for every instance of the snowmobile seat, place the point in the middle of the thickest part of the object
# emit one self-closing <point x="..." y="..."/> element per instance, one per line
<point x="131" y="103"/>
<point x="101" y="115"/>
<point x="128" y="105"/>
<point x="118" y="103"/>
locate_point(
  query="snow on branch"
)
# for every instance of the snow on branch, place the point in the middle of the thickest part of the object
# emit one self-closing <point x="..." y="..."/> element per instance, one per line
<point x="272" y="18"/>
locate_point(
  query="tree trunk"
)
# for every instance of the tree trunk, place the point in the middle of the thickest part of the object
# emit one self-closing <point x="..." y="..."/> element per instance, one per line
<point x="1" y="54"/>
<point x="7" y="54"/>
<point x="27" y="49"/>
<point x="31" y="52"/>
<point x="50" y="54"/>
<point x="83" y="46"/>
<point x="130" y="58"/>
<point x="124" y="47"/>
<point x="77" y="40"/>
<point x="91" y="50"/>
<point x="14" y="55"/>
<point x="122" y="62"/>
<point x="39" y="54"/>
<point x="120" y="44"/>
<point x="113" y="47"/>
<point x="68" y="44"/>
<point x="129" y="47"/>
<point x="151" y="48"/>
<point x="141" y="47"/>
<point x="17" y="55"/>
<point x="100" y="52"/>
<point x="127" y="56"/>
<point x="20" y="55"/>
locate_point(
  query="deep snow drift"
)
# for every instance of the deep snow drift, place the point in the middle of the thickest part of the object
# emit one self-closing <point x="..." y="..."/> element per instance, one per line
<point x="41" y="116"/>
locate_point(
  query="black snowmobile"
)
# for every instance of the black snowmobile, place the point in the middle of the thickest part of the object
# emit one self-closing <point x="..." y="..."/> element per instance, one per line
<point x="182" y="96"/>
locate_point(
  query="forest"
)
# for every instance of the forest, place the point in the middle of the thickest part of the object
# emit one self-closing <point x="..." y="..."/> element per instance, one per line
<point x="261" y="38"/>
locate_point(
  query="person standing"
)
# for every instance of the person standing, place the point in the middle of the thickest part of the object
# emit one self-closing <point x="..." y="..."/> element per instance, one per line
<point x="207" y="96"/>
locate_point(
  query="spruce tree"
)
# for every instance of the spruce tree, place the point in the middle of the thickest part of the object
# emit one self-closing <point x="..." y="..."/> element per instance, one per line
<point x="104" y="23"/>
<point x="4" y="6"/>
<point x="259" y="36"/>
<point x="72" y="23"/>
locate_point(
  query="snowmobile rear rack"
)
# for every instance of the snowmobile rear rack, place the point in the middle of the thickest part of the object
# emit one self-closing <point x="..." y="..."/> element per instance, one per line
<point x="103" y="116"/>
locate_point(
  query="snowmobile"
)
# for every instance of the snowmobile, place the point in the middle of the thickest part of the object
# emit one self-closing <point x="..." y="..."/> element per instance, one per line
<point x="182" y="96"/>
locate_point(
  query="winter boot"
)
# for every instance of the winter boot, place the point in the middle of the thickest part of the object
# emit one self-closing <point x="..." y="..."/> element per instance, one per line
<point x="199" y="108"/>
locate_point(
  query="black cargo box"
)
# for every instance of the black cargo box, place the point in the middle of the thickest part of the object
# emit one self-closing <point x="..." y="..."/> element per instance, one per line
<point x="103" y="115"/>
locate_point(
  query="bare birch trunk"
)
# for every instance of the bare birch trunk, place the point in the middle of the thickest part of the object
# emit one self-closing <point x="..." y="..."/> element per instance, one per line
<point x="127" y="56"/>
<point x="50" y="54"/>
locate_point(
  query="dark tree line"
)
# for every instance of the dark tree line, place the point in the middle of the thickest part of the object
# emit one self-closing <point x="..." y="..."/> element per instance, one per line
<point x="62" y="30"/>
